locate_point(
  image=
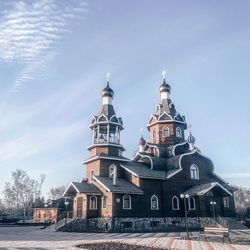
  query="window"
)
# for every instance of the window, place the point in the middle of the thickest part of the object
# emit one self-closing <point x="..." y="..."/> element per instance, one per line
<point x="178" y="132"/>
<point x="225" y="202"/>
<point x="154" y="135"/>
<point x="154" y="203"/>
<point x="104" y="202"/>
<point x="92" y="203"/>
<point x="191" y="203"/>
<point x="194" y="172"/>
<point x="165" y="132"/>
<point x="91" y="177"/>
<point x="175" y="203"/>
<point x="126" y="201"/>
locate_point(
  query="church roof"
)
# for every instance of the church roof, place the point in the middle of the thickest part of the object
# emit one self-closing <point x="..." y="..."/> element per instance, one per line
<point x="204" y="188"/>
<point x="107" y="110"/>
<point x="122" y="186"/>
<point x="142" y="171"/>
<point x="82" y="187"/>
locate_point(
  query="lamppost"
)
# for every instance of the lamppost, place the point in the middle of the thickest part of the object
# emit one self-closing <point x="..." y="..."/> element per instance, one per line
<point x="185" y="197"/>
<point x="66" y="203"/>
<point x="213" y="203"/>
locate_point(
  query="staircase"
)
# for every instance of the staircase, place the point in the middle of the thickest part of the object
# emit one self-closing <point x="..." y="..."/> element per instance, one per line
<point x="59" y="224"/>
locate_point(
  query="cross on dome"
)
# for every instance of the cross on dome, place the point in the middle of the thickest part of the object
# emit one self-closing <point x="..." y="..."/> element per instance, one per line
<point x="164" y="74"/>
<point x="108" y="76"/>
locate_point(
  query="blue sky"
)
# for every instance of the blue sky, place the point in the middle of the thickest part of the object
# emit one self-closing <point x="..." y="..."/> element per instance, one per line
<point x="54" y="56"/>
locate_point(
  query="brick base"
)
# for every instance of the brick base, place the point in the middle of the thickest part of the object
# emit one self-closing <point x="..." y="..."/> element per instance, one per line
<point x="138" y="224"/>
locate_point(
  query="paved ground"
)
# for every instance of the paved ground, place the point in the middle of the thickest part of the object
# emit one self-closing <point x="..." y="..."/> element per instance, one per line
<point x="22" y="238"/>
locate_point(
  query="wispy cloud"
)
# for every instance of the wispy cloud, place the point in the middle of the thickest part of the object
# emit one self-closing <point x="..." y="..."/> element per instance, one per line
<point x="236" y="175"/>
<point x="38" y="141"/>
<point x="31" y="31"/>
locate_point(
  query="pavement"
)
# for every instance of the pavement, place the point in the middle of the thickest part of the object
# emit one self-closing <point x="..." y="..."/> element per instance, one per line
<point x="22" y="238"/>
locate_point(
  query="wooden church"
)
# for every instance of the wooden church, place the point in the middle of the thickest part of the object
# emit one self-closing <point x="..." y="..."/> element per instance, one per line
<point x="167" y="176"/>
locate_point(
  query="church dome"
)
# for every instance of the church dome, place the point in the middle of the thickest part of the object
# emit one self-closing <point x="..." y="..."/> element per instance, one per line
<point x="165" y="87"/>
<point x="142" y="142"/>
<point x="107" y="91"/>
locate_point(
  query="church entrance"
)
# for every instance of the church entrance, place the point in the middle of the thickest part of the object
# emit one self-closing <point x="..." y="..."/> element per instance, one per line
<point x="79" y="207"/>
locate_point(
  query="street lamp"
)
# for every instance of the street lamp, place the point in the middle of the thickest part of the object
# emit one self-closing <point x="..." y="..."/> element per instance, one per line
<point x="66" y="203"/>
<point x="185" y="197"/>
<point x="213" y="203"/>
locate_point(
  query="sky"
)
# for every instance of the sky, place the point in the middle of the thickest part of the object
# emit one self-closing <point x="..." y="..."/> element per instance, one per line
<point x="55" y="54"/>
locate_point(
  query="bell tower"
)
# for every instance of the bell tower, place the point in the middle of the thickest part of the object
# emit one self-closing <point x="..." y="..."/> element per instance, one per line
<point x="106" y="127"/>
<point x="166" y="125"/>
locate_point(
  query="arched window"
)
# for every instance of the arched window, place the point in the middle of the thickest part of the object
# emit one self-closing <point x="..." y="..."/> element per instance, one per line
<point x="154" y="135"/>
<point x="175" y="203"/>
<point x="104" y="202"/>
<point x="225" y="202"/>
<point x="92" y="203"/>
<point x="126" y="201"/>
<point x="91" y="177"/>
<point x="191" y="203"/>
<point x="178" y="132"/>
<point x="154" y="203"/>
<point x="165" y="132"/>
<point x="194" y="172"/>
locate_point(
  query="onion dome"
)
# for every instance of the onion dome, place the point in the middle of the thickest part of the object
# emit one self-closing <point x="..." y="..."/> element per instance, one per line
<point x="107" y="91"/>
<point x="165" y="87"/>
<point x="142" y="142"/>
<point x="191" y="138"/>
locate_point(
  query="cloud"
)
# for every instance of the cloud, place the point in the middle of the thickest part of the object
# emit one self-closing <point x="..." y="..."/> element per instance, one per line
<point x="236" y="175"/>
<point x="31" y="31"/>
<point x="38" y="141"/>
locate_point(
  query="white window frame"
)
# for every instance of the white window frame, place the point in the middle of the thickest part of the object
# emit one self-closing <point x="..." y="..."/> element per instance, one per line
<point x="178" y="204"/>
<point x="129" y="198"/>
<point x="178" y="132"/>
<point x="194" y="172"/>
<point x="189" y="204"/>
<point x="90" y="203"/>
<point x="226" y="202"/>
<point x="157" y="202"/>
<point x="164" y="129"/>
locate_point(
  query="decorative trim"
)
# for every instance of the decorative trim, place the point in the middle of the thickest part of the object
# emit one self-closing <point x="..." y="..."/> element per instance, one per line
<point x="179" y="144"/>
<point x="154" y="146"/>
<point x="164" y="113"/>
<point x="166" y="121"/>
<point x="105" y="145"/>
<point x="102" y="115"/>
<point x="130" y="171"/>
<point x="104" y="157"/>
<point x="101" y="184"/>
<point x="147" y="156"/>
<point x="71" y="184"/>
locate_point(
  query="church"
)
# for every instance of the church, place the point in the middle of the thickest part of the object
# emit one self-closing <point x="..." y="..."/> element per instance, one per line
<point x="167" y="179"/>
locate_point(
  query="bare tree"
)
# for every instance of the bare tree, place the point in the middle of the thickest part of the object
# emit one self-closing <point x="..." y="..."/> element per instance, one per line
<point x="56" y="192"/>
<point x="21" y="194"/>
